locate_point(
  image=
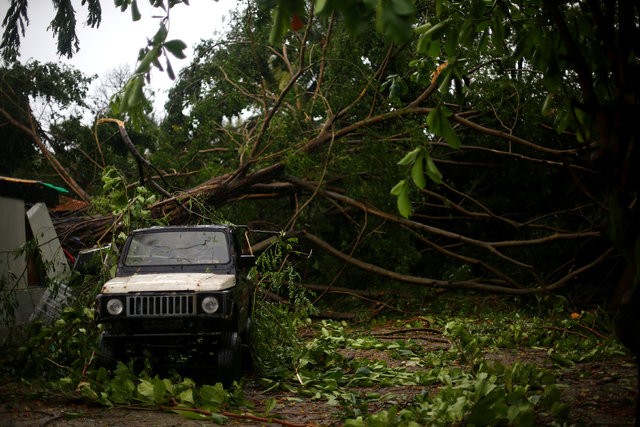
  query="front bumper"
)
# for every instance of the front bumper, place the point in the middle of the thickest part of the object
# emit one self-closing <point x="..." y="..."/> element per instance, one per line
<point x="171" y="320"/>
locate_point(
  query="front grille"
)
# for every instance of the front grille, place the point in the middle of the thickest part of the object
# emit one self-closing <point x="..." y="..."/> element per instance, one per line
<point x="161" y="305"/>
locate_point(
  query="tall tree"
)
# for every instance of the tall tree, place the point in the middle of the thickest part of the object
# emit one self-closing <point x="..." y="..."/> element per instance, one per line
<point x="458" y="48"/>
<point x="20" y="85"/>
<point x="339" y="143"/>
<point x="63" y="26"/>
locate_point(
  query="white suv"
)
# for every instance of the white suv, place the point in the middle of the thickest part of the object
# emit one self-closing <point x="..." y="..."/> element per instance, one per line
<point x="181" y="292"/>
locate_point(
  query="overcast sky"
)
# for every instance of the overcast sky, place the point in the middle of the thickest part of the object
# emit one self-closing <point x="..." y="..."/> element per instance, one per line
<point x="118" y="40"/>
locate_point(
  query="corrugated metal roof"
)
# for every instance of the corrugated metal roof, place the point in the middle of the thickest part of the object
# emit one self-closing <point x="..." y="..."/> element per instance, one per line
<point x="67" y="204"/>
<point x="30" y="191"/>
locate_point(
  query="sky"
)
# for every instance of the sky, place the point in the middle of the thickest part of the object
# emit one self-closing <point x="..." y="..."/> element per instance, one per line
<point x="118" y="39"/>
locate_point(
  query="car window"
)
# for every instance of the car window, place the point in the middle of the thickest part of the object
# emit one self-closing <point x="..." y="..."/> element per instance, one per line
<point x="178" y="248"/>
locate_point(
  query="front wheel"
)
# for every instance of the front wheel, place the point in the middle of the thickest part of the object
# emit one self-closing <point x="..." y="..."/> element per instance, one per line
<point x="229" y="358"/>
<point x="107" y="355"/>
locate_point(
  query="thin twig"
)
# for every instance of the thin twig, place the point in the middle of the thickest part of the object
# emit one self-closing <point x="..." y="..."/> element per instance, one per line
<point x="245" y="416"/>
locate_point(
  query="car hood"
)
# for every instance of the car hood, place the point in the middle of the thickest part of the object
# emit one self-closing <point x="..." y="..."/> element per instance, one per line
<point x="163" y="282"/>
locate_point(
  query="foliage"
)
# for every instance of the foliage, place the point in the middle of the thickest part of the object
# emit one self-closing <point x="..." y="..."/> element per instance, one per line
<point x="465" y="192"/>
<point x="177" y="394"/>
<point x="460" y="384"/>
<point x="482" y="207"/>
<point x="276" y="325"/>
<point x="130" y="208"/>
<point x="53" y="88"/>
<point x="335" y="120"/>
<point x="63" y="26"/>
<point x="52" y="351"/>
<point x="512" y="394"/>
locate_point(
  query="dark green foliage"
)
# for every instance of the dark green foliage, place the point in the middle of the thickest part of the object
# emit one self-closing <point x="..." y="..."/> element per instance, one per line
<point x="492" y="177"/>
<point x="50" y="352"/>
<point x="276" y="325"/>
<point x="53" y="85"/>
<point x="479" y="185"/>
<point x="63" y="26"/>
<point x="15" y="22"/>
<point x="307" y="359"/>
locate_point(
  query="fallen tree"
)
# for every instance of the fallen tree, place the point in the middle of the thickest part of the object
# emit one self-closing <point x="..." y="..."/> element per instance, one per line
<point x="474" y="204"/>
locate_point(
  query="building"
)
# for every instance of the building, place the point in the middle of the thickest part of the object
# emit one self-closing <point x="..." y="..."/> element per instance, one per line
<point x="28" y="270"/>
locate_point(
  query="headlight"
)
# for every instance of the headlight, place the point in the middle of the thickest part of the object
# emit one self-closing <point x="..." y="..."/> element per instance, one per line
<point x="114" y="306"/>
<point x="210" y="305"/>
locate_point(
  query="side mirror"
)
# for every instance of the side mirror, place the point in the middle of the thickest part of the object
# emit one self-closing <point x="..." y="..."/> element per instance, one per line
<point x="246" y="261"/>
<point x="91" y="261"/>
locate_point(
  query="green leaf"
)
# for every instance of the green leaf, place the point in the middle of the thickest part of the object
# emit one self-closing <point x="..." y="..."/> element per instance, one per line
<point x="134" y="95"/>
<point x="433" y="50"/>
<point x="401" y="190"/>
<point x="218" y="418"/>
<point x="176" y="48"/>
<point x="434" y="120"/>
<point x="169" y="386"/>
<point x="423" y="45"/>
<point x="450" y="135"/>
<point x="423" y="28"/>
<point x="497" y="33"/>
<point x="403" y="7"/>
<point x="438" y="123"/>
<point x="445" y="77"/>
<point x="432" y="171"/>
<point x="135" y="12"/>
<point x="396" y="26"/>
<point x="410" y="157"/>
<point x="451" y="44"/>
<point x="213" y="396"/>
<point x="546" y="107"/>
<point x="563" y="120"/>
<point x="170" y="72"/>
<point x="404" y="204"/>
<point x="159" y="390"/>
<point x="320" y="6"/>
<point x="456" y="411"/>
<point x="280" y="24"/>
<point x="397" y="87"/>
<point x="521" y="414"/>
<point x="270" y="405"/>
<point x="357" y="422"/>
<point x="397" y="189"/>
<point x="145" y="62"/>
<point x="433" y="31"/>
<point x="145" y="389"/>
<point x="160" y="35"/>
<point x="417" y="172"/>
<point x="87" y="392"/>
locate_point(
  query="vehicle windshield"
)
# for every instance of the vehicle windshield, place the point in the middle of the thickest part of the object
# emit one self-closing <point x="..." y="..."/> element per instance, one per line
<point x="178" y="248"/>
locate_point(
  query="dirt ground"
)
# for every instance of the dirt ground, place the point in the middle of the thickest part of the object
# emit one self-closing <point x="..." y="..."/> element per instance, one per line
<point x="599" y="394"/>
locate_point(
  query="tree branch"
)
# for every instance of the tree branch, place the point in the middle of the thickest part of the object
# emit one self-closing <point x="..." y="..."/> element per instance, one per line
<point x="60" y="170"/>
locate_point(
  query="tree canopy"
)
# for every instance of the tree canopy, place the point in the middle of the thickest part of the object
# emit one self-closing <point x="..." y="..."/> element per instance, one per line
<point x="492" y="142"/>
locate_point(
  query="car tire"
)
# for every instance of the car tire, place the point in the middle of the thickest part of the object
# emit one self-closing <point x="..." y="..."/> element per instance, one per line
<point x="247" y="346"/>
<point x="107" y="356"/>
<point x="229" y="358"/>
